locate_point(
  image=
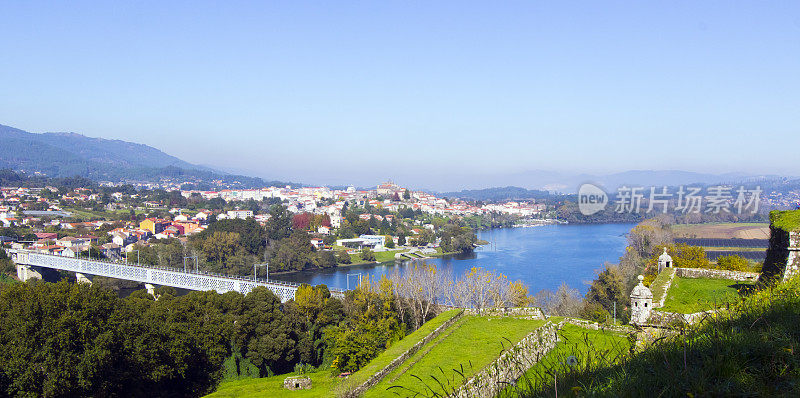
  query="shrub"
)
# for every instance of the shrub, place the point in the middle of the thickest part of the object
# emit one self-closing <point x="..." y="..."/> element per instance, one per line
<point x="732" y="263"/>
<point x="595" y="312"/>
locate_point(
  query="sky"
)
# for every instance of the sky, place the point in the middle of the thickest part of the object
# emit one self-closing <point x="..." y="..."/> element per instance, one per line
<point x="442" y="94"/>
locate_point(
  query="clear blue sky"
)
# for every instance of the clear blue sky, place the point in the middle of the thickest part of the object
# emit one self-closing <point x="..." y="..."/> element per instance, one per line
<point x="425" y="92"/>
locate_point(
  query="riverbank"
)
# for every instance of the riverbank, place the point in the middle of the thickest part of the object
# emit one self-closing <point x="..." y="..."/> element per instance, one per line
<point x="541" y="257"/>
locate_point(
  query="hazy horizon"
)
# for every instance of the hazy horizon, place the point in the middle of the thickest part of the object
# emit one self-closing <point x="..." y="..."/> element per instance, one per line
<point x="440" y="96"/>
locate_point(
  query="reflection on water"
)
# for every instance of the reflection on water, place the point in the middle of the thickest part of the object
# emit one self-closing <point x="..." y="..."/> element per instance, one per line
<point x="542" y="257"/>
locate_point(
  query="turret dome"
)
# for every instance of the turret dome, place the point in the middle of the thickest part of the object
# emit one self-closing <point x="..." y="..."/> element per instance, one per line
<point x="664" y="257"/>
<point x="641" y="291"/>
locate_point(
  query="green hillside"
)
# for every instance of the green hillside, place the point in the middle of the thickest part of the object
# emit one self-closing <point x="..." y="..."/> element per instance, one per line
<point x="750" y="350"/>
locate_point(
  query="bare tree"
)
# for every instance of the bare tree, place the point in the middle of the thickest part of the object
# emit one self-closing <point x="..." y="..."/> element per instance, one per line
<point x="566" y="301"/>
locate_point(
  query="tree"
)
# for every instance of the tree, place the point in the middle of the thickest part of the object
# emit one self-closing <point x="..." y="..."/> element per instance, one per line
<point x="301" y="221"/>
<point x="457" y="239"/>
<point x="367" y="254"/>
<point x="343" y="257"/>
<point x="733" y="263"/>
<point x="325" y="259"/>
<point x="389" y="242"/>
<point x="65" y="339"/>
<point x="406" y="194"/>
<point x="263" y="334"/>
<point x="607" y="289"/>
<point x="251" y="234"/>
<point x="565" y="301"/>
<point x="220" y="245"/>
<point x="687" y="256"/>
<point x="518" y="293"/>
<point x="279" y="225"/>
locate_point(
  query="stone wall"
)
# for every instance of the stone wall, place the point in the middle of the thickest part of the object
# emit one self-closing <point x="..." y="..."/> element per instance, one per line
<point x="741" y="276"/>
<point x="586" y="324"/>
<point x="793" y="259"/>
<point x="666" y="287"/>
<point x="783" y="257"/>
<point x="663" y="318"/>
<point x="510" y="365"/>
<point x="379" y="375"/>
<point x="529" y="312"/>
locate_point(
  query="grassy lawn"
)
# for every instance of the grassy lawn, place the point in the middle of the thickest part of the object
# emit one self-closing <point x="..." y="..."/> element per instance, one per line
<point x="322" y="383"/>
<point x="321" y="386"/>
<point x="401" y="346"/>
<point x="89" y="215"/>
<point x="588" y="346"/>
<point x="689" y="295"/>
<point x="788" y="220"/>
<point x="472" y="343"/>
<point x="380" y="257"/>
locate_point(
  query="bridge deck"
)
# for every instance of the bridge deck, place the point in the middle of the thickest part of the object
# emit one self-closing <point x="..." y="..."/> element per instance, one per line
<point x="201" y="281"/>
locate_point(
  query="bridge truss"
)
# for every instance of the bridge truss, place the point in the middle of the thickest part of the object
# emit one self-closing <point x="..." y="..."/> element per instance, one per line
<point x="156" y="275"/>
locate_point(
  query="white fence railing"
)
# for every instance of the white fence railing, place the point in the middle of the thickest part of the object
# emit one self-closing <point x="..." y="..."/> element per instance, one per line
<point x="157" y="275"/>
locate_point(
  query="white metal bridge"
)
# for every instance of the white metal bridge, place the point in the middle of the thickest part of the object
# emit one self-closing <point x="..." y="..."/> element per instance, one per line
<point x="151" y="275"/>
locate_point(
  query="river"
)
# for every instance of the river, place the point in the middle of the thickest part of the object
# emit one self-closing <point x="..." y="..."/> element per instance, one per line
<point x="542" y="257"/>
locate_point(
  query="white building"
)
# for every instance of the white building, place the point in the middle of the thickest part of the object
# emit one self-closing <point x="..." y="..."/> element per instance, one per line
<point x="243" y="214"/>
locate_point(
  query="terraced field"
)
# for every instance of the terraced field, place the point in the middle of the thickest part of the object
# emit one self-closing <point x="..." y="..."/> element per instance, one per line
<point x="688" y="295"/>
<point x="440" y="366"/>
<point x="444" y="364"/>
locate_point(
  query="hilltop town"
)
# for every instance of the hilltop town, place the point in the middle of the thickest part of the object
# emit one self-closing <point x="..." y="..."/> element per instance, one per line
<point x="114" y="220"/>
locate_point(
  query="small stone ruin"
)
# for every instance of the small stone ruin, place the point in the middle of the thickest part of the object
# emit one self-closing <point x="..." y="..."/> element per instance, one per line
<point x="297" y="383"/>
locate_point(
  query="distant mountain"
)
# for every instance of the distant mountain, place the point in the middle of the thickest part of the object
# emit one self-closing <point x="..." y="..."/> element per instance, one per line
<point x="68" y="154"/>
<point x="71" y="154"/>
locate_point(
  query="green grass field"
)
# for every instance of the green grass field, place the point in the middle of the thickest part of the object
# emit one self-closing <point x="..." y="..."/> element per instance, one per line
<point x="323" y="385"/>
<point x="380" y="257"/>
<point x="472" y="343"/>
<point x="688" y="295"/>
<point x="590" y="348"/>
<point x="788" y="220"/>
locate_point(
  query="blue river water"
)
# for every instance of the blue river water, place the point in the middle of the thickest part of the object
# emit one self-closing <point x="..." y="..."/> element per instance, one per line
<point x="542" y="257"/>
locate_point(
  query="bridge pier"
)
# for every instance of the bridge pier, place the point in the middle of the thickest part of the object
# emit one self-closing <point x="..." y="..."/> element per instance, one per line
<point x="81" y="278"/>
<point x="25" y="272"/>
<point x="151" y="289"/>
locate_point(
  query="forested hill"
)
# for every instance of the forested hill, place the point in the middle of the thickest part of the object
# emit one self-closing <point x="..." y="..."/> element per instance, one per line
<point x="497" y="194"/>
<point x="69" y="154"/>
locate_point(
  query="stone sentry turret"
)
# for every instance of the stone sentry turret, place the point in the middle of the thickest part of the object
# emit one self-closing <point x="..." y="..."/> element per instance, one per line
<point x="664" y="261"/>
<point x="641" y="303"/>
